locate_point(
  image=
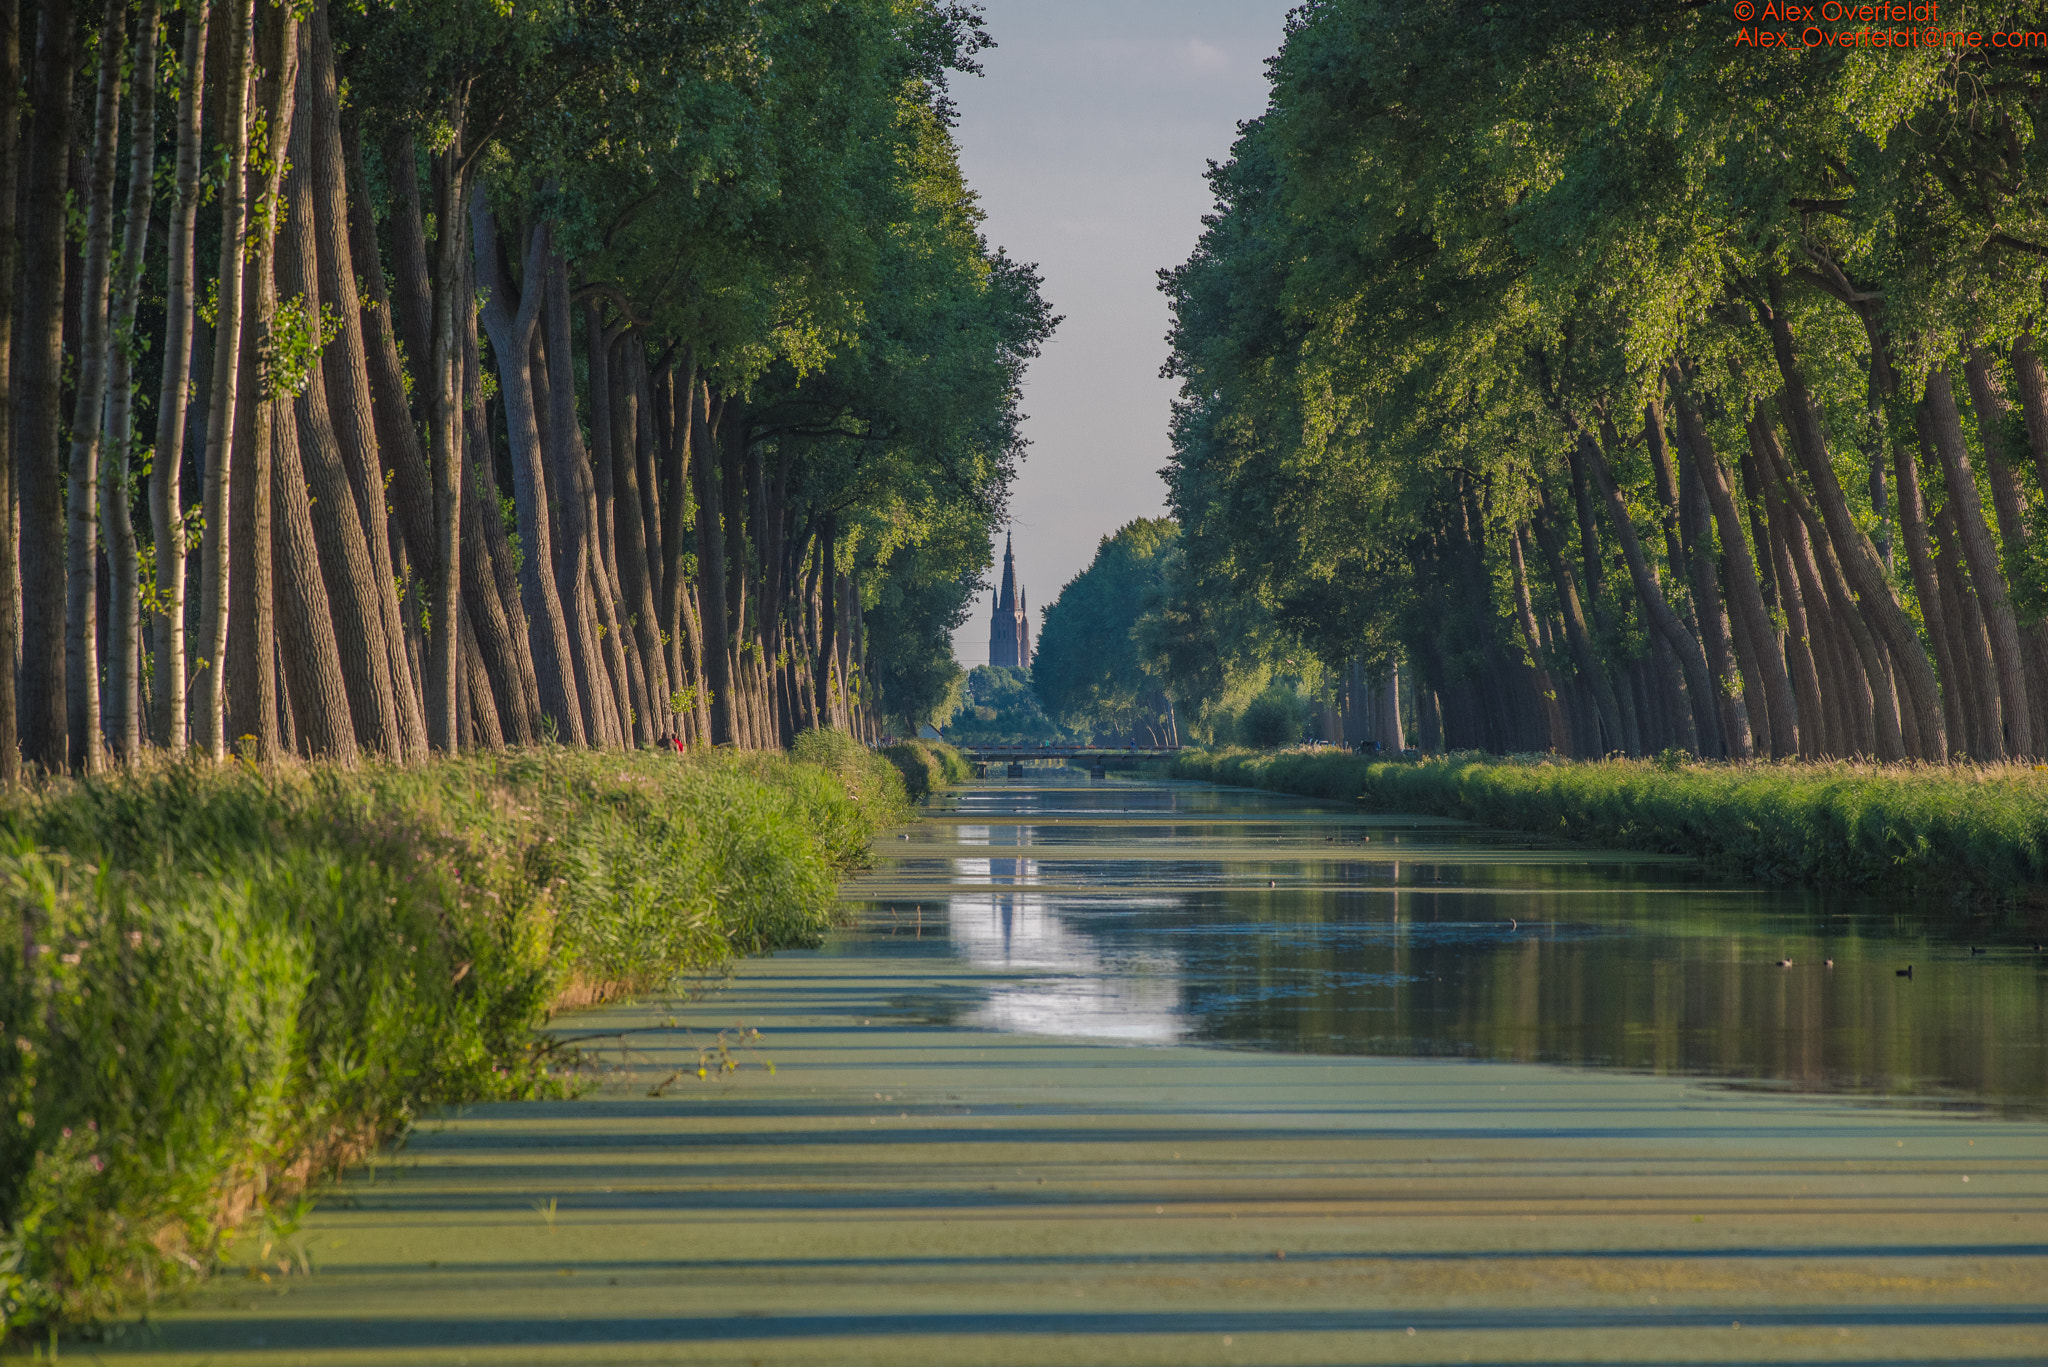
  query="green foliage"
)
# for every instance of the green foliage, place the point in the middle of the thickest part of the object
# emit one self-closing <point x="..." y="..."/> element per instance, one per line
<point x="1969" y="833"/>
<point x="999" y="707"/>
<point x="1462" y="244"/>
<point x="1274" y="718"/>
<point x="1087" y="669"/>
<point x="927" y="766"/>
<point x="219" y="983"/>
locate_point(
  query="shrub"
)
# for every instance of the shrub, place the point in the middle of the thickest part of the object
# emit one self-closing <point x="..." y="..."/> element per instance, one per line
<point x="928" y="766"/>
<point x="1272" y="719"/>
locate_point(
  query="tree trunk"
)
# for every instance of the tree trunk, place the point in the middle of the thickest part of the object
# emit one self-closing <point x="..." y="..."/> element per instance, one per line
<point x="166" y="494"/>
<point x="1858" y="558"/>
<point x="1702" y="736"/>
<point x="1945" y="428"/>
<point x="601" y="510"/>
<point x="1944" y="627"/>
<point x="81" y="600"/>
<point x="2033" y="388"/>
<point x="1800" y="646"/>
<point x="10" y="547"/>
<point x="510" y="316"/>
<point x="490" y="577"/>
<point x="675" y="473"/>
<point x="1987" y="398"/>
<point x="1977" y="683"/>
<point x="124" y="607"/>
<point x="306" y="644"/>
<point x="1881" y="704"/>
<point x="210" y="694"/>
<point x="315" y="465"/>
<point x="45" y="736"/>
<point x="252" y="621"/>
<point x="1763" y="665"/>
<point x="629" y="525"/>
<point x="644" y="612"/>
<point x="569" y="568"/>
<point x="1577" y="638"/>
<point x="451" y="269"/>
<point x="718" y="680"/>
<point x="1556" y="737"/>
<point x="344" y="374"/>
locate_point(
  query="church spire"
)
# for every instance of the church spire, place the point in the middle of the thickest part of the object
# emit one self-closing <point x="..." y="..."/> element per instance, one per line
<point x="1009" y="635"/>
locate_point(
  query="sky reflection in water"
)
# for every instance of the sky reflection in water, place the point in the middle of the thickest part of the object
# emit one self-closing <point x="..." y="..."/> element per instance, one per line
<point x="1149" y="913"/>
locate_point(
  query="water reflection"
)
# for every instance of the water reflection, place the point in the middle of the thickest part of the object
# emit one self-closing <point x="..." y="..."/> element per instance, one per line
<point x="1151" y="913"/>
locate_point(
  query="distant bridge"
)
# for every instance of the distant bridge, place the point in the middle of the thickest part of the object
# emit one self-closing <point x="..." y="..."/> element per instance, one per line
<point x="1099" y="757"/>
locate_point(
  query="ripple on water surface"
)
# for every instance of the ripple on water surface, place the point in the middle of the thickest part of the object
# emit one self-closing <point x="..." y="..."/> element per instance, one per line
<point x="1158" y="912"/>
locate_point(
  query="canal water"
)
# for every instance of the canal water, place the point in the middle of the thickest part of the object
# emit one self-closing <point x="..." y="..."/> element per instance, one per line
<point x="1161" y="912"/>
<point x="1128" y="1074"/>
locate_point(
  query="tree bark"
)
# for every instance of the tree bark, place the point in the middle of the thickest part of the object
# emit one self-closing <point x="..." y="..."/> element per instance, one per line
<point x="606" y="399"/>
<point x="510" y="316"/>
<point x="490" y="578"/>
<point x="643" y="588"/>
<point x="1762" y="662"/>
<point x="1977" y="683"/>
<point x="81" y="580"/>
<point x="1858" y="558"/>
<point x="252" y="621"/>
<point x="312" y="469"/>
<point x="306" y="645"/>
<point x="718" y="680"/>
<point x="2033" y="388"/>
<point x="166" y="495"/>
<point x="1702" y="736"/>
<point x="123" y="699"/>
<point x="1880" y="704"/>
<point x="12" y="154"/>
<point x="1988" y="401"/>
<point x="570" y="567"/>
<point x="1577" y="638"/>
<point x="210" y="693"/>
<point x="344" y="371"/>
<point x="445" y="423"/>
<point x="1944" y="626"/>
<point x="1800" y="646"/>
<point x="1945" y="428"/>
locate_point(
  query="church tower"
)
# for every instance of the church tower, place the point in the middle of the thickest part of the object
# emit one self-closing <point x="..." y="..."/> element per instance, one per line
<point x="1009" y="633"/>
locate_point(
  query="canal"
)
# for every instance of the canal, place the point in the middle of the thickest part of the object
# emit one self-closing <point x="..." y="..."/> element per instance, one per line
<point x="1189" y="913"/>
<point x="1130" y="1072"/>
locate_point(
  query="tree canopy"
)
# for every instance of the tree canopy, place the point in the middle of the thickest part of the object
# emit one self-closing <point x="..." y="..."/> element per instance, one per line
<point x="1637" y="385"/>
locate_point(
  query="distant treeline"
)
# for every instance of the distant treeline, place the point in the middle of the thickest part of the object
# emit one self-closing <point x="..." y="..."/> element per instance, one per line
<point x="1635" y="389"/>
<point x="431" y="376"/>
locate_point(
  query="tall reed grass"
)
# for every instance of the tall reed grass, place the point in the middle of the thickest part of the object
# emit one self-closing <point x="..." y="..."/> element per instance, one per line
<point x="1976" y="832"/>
<point x="220" y="983"/>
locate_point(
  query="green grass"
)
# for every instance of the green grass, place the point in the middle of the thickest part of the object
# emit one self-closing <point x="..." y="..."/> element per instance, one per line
<point x="220" y="983"/>
<point x="1978" y="832"/>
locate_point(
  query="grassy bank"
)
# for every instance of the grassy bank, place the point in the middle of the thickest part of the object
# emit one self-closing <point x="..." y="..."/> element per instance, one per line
<point x="221" y="983"/>
<point x="1974" y="832"/>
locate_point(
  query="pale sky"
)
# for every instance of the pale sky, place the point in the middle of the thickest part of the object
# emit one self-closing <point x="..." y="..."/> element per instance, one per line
<point x="1087" y="139"/>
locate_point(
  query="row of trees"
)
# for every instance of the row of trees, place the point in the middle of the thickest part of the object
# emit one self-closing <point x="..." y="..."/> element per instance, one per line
<point x="449" y="373"/>
<point x="1637" y="388"/>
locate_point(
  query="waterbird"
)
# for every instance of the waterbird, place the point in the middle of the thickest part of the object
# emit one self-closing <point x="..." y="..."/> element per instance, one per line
<point x="1905" y="972"/>
<point x="1831" y="963"/>
<point x="1978" y="949"/>
<point x="1784" y="963"/>
<point x="1513" y="924"/>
